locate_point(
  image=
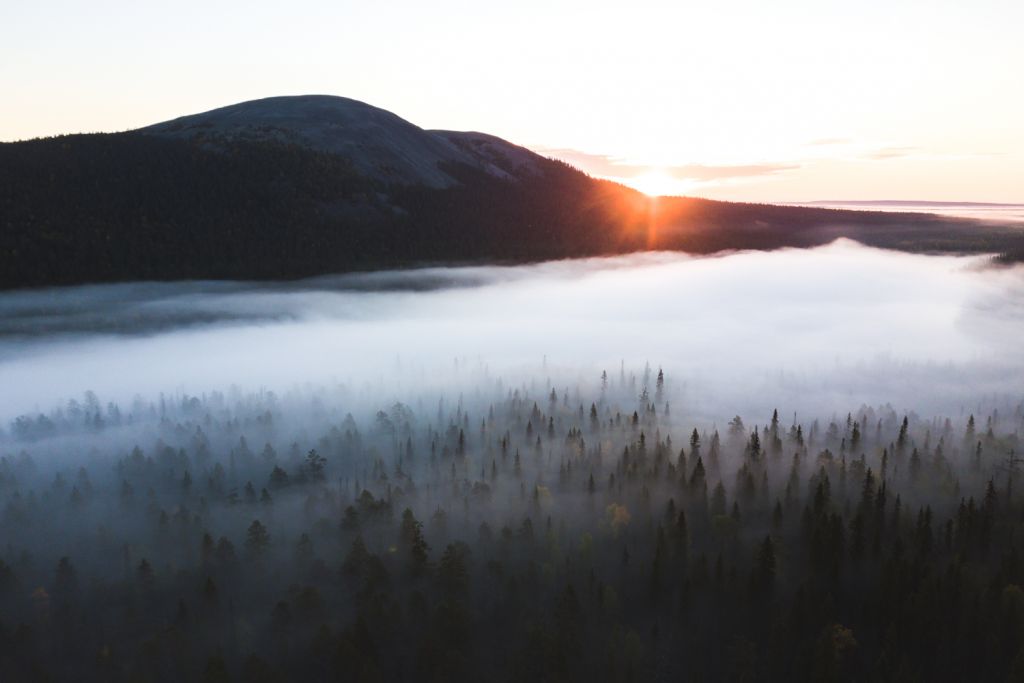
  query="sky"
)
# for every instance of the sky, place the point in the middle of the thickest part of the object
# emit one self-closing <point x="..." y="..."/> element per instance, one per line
<point x="737" y="99"/>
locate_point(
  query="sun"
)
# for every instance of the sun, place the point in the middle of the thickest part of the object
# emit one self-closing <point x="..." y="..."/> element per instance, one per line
<point x="656" y="183"/>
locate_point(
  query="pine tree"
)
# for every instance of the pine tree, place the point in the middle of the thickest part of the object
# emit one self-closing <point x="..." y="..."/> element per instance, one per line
<point x="257" y="538"/>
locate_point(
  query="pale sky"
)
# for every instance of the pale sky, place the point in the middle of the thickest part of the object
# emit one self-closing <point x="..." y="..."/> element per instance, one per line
<point x="738" y="99"/>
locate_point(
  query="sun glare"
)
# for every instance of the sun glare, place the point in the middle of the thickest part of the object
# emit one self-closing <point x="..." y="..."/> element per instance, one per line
<point x="656" y="184"/>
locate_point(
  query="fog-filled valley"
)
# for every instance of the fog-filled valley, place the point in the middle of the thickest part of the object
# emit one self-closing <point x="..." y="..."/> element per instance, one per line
<point x="787" y="465"/>
<point x="814" y="329"/>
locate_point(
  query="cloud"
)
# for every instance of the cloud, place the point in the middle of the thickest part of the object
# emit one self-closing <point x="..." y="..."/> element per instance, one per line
<point x="615" y="167"/>
<point x="706" y="172"/>
<point x="891" y="153"/>
<point x="903" y="151"/>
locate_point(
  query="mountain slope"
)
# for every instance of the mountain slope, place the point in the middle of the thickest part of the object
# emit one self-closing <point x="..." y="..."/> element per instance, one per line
<point x="377" y="143"/>
<point x="294" y="187"/>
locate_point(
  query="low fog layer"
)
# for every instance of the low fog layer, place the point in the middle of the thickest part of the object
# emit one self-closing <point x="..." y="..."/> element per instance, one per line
<point x="820" y="329"/>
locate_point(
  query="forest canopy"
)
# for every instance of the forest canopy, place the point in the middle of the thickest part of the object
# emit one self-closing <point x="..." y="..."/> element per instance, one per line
<point x="551" y="532"/>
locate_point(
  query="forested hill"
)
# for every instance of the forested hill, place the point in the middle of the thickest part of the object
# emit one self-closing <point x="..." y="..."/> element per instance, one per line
<point x="293" y="187"/>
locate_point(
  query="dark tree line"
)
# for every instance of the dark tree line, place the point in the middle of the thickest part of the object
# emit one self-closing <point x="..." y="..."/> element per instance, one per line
<point x="563" y="534"/>
<point x="131" y="206"/>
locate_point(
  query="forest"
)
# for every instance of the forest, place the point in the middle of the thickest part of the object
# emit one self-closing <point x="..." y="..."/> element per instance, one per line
<point x="527" y="529"/>
<point x="124" y="207"/>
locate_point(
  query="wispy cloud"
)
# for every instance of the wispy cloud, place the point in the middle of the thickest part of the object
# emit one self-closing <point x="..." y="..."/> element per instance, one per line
<point x="904" y="151"/>
<point x="706" y="172"/>
<point x="891" y="153"/>
<point x="614" y="167"/>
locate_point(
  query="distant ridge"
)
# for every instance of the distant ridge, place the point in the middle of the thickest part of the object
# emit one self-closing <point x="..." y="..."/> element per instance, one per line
<point x="379" y="144"/>
<point x="293" y="187"/>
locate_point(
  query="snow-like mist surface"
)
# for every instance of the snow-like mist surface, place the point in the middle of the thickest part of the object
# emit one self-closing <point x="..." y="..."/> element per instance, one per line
<point x="814" y="330"/>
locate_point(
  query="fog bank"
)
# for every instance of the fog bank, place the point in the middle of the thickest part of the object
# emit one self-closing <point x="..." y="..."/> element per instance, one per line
<point x="811" y="330"/>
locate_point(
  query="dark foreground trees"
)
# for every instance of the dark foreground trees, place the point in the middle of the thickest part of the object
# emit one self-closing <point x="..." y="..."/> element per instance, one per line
<point x="619" y="543"/>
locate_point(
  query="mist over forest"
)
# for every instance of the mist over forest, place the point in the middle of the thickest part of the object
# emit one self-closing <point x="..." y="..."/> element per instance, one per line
<point x="791" y="465"/>
<point x="819" y="329"/>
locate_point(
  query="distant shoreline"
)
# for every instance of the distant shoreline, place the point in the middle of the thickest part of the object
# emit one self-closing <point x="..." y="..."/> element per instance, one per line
<point x="906" y="202"/>
<point x="987" y="211"/>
